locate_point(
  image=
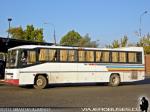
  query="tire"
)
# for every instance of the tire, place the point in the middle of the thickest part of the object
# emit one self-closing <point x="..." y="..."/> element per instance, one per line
<point x="114" y="80"/>
<point x="40" y="82"/>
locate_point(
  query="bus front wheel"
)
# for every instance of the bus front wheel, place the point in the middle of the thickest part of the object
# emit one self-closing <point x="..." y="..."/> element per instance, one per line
<point x="114" y="80"/>
<point x="40" y="82"/>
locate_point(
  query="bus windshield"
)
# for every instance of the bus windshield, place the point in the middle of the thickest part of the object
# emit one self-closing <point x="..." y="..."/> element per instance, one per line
<point x="12" y="59"/>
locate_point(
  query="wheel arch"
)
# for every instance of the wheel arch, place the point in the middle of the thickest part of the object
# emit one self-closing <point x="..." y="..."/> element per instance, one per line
<point x="115" y="74"/>
<point x="42" y="74"/>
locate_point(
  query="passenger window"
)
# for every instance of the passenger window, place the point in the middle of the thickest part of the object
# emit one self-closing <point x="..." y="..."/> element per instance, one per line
<point x="71" y="55"/>
<point x="31" y="57"/>
<point x="115" y="56"/>
<point x="90" y="56"/>
<point x="122" y="57"/>
<point x="24" y="56"/>
<point x="139" y="57"/>
<point x="43" y="55"/>
<point x="52" y="55"/>
<point x="63" y="55"/>
<point x="105" y="56"/>
<point x="81" y="56"/>
<point x="98" y="56"/>
<point x="68" y="55"/>
<point x="132" y="57"/>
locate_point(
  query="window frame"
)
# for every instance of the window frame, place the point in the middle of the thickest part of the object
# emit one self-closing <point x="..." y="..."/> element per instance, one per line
<point x="118" y="58"/>
<point x="75" y="57"/>
<point x="76" y="51"/>
<point x="94" y="60"/>
<point x="137" y="52"/>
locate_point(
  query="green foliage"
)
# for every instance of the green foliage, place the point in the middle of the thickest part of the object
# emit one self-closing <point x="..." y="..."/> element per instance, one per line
<point x="73" y="38"/>
<point x="39" y="35"/>
<point x="30" y="33"/>
<point x="86" y="42"/>
<point x="124" y="41"/>
<point x="115" y="44"/>
<point x="145" y="43"/>
<point x="17" y="33"/>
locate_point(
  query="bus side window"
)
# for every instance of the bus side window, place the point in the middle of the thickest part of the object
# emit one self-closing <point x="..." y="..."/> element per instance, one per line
<point x="105" y="56"/>
<point x="139" y="57"/>
<point x="81" y="56"/>
<point x="90" y="56"/>
<point x="43" y="55"/>
<point x="31" y="57"/>
<point x="98" y="56"/>
<point x="122" y="57"/>
<point x="71" y="55"/>
<point x="115" y="57"/>
<point x="132" y="57"/>
<point x="24" y="57"/>
<point x="52" y="55"/>
<point x="63" y="55"/>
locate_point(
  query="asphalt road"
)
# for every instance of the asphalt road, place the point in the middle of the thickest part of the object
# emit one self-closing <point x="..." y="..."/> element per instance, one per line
<point x="87" y="95"/>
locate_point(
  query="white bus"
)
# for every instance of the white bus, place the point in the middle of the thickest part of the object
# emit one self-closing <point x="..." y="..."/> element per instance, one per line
<point x="42" y="65"/>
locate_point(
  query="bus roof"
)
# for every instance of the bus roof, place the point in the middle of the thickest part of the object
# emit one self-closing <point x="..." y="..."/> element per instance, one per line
<point x="85" y="48"/>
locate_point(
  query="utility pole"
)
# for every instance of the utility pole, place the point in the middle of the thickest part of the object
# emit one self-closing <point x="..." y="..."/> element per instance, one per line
<point x="140" y="29"/>
<point x="9" y="20"/>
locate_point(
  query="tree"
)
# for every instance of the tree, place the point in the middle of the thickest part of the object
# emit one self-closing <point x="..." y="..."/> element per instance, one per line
<point x="115" y="44"/>
<point x="124" y="41"/>
<point x="71" y="38"/>
<point x="17" y="33"/>
<point x="30" y="33"/>
<point x="86" y="42"/>
<point x="145" y="43"/>
<point x="38" y="35"/>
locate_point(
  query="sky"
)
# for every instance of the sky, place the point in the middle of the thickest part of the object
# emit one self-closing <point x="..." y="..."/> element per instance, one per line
<point x="103" y="20"/>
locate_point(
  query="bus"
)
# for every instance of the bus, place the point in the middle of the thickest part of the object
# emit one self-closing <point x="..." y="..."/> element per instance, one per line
<point x="40" y="66"/>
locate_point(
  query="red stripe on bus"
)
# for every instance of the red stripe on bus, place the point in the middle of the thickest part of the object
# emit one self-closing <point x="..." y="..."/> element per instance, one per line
<point x="12" y="81"/>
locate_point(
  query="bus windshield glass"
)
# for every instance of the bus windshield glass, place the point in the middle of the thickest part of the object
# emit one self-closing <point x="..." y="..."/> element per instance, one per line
<point x="12" y="59"/>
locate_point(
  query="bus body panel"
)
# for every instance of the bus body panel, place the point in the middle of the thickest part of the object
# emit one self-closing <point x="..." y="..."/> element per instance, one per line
<point x="26" y="78"/>
<point x="12" y="76"/>
<point x="71" y="73"/>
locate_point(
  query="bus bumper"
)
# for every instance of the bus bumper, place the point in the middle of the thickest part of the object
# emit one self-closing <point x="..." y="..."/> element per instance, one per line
<point x="12" y="81"/>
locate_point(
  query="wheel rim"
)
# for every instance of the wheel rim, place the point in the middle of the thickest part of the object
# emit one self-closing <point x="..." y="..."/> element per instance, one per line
<point x="114" y="80"/>
<point x="39" y="82"/>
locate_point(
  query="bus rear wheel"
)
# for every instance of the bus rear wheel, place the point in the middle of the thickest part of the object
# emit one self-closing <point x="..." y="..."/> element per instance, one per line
<point x="114" y="80"/>
<point x="40" y="82"/>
